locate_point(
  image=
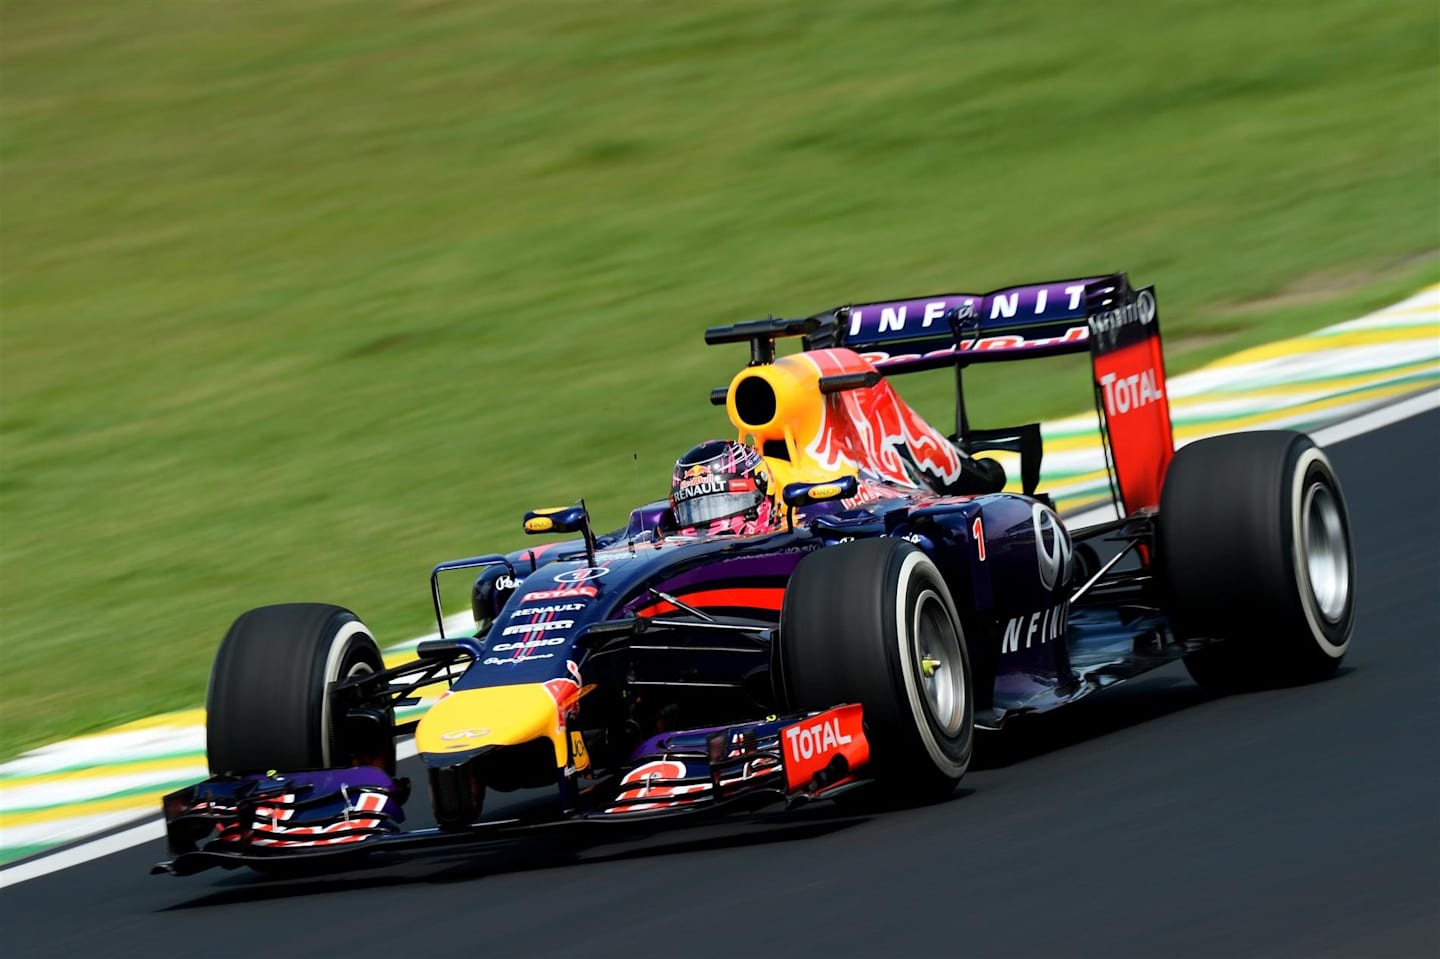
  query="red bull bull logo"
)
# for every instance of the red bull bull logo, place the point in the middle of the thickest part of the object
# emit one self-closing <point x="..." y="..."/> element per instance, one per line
<point x="875" y="432"/>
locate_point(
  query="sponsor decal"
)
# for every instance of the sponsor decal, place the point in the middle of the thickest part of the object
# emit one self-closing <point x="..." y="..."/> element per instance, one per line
<point x="541" y="595"/>
<point x="1107" y="325"/>
<point x="812" y="746"/>
<point x="546" y="610"/>
<point x="803" y="742"/>
<point x="462" y="734"/>
<point x="892" y="317"/>
<point x="582" y="575"/>
<point x="283" y="809"/>
<point x="874" y="431"/>
<point x="1052" y="547"/>
<point x="1038" y="318"/>
<point x="1037" y="628"/>
<point x="895" y="319"/>
<point x="565" y="691"/>
<point x="513" y="660"/>
<point x="654" y="783"/>
<point x="537" y="627"/>
<point x="707" y="485"/>
<point x="528" y="643"/>
<point x="361" y="816"/>
<point x="824" y="491"/>
<point x="1010" y="342"/>
<point x="1006" y="305"/>
<point x="539" y="524"/>
<point x="579" y="758"/>
<point x="1125" y="393"/>
<point x="506" y="581"/>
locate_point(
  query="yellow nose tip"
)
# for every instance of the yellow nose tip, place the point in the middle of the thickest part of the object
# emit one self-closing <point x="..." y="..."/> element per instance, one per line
<point x="493" y="716"/>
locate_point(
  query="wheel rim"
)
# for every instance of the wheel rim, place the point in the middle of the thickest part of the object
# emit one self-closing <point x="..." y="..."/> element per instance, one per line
<point x="939" y="665"/>
<point x="1327" y="554"/>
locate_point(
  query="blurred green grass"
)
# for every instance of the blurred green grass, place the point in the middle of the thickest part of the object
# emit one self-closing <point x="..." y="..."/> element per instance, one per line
<point x="297" y="299"/>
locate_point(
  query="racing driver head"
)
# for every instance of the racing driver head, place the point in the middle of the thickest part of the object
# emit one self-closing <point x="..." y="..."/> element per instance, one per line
<point x="722" y="486"/>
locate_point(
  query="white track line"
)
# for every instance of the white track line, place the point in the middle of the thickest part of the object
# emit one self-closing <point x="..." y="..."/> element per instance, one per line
<point x="154" y="829"/>
<point x="1376" y="419"/>
<point x="77" y="855"/>
<point x="151" y="830"/>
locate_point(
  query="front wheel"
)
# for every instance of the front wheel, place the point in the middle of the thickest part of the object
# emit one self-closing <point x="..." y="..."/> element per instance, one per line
<point x="872" y="622"/>
<point x="1253" y="548"/>
<point x="269" y="706"/>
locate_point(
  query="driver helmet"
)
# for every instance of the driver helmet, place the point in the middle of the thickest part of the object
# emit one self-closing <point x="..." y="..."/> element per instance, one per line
<point x="722" y="483"/>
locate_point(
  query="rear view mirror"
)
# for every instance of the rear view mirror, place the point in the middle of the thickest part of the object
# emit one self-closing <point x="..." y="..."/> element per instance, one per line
<point x="804" y="494"/>
<point x="563" y="519"/>
<point x="556" y="519"/>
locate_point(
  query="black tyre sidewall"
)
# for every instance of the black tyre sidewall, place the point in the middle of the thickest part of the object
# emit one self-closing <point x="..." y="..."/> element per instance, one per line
<point x="268" y="703"/>
<point x="950" y="755"/>
<point x="1230" y="556"/>
<point x="843" y="640"/>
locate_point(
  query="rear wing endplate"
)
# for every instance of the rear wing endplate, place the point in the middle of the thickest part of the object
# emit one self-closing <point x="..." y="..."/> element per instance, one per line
<point x="1131" y="395"/>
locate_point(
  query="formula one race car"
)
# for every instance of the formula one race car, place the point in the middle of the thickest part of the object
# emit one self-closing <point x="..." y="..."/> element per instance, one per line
<point x="882" y="597"/>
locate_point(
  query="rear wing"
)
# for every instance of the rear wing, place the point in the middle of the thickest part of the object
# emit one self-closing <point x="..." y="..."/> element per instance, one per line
<point x="1118" y="325"/>
<point x="931" y="332"/>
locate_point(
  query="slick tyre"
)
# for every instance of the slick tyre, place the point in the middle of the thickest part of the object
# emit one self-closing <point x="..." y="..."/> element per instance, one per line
<point x="872" y="622"/>
<point x="1253" y="547"/>
<point x="269" y="703"/>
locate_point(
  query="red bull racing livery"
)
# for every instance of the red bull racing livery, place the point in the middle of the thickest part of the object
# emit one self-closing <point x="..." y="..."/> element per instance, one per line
<point x="829" y="604"/>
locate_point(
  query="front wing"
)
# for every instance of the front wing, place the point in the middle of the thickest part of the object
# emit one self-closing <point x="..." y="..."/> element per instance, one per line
<point x="230" y="821"/>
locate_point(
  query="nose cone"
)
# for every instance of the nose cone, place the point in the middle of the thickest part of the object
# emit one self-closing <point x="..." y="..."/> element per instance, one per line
<point x="473" y="719"/>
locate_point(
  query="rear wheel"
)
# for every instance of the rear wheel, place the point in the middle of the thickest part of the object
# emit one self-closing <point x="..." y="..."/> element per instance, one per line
<point x="269" y="705"/>
<point x="1254" y="548"/>
<point x="872" y="622"/>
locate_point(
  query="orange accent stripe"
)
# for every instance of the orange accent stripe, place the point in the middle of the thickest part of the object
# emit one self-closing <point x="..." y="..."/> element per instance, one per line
<point x="759" y="597"/>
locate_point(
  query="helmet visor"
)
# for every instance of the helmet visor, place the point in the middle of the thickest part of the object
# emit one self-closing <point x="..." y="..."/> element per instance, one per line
<point x="713" y="497"/>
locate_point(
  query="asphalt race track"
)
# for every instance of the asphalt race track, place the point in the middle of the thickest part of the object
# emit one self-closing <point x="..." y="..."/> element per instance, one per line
<point x="1151" y="820"/>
